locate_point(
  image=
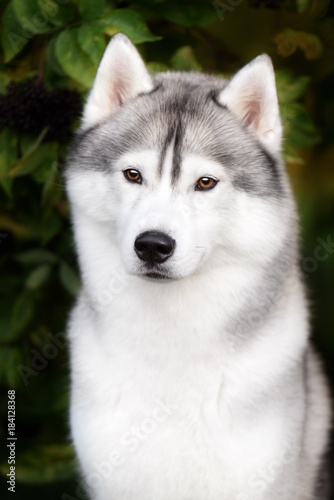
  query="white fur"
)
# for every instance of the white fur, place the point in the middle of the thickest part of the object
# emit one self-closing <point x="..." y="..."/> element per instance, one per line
<point x="251" y="95"/>
<point x="166" y="403"/>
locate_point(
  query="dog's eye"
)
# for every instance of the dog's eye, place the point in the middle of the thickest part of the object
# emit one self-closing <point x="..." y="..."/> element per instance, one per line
<point x="205" y="183"/>
<point x="132" y="175"/>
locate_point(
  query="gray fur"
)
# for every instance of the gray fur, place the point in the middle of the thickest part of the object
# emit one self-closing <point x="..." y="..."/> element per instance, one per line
<point x="183" y="107"/>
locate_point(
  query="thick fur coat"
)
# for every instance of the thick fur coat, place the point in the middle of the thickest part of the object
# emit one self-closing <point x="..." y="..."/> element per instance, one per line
<point x="192" y="373"/>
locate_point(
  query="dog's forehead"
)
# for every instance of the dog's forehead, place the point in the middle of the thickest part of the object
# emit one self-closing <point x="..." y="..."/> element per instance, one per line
<point x="178" y="109"/>
<point x="182" y="112"/>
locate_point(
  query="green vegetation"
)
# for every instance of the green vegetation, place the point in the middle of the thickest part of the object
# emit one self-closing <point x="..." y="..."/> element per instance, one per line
<point x="50" y="51"/>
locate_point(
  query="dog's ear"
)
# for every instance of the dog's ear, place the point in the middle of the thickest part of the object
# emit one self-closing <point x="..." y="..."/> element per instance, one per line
<point x="251" y="95"/>
<point x="121" y="76"/>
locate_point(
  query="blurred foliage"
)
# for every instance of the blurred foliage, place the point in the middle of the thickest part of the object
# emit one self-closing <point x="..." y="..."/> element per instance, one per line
<point x="58" y="44"/>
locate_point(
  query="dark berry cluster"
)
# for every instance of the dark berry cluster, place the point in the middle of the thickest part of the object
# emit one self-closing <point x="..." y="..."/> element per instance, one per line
<point x="28" y="106"/>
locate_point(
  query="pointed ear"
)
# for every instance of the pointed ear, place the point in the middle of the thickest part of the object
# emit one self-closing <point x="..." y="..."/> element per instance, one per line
<point x="121" y="76"/>
<point x="251" y="95"/>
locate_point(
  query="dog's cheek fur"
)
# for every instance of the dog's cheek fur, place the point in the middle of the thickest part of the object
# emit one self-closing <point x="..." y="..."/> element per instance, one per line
<point x="93" y="194"/>
<point x="256" y="228"/>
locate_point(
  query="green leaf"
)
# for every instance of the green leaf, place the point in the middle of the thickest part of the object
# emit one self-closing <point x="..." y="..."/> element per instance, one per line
<point x="20" y="229"/>
<point x="34" y="156"/>
<point x="50" y="393"/>
<point x="303" y="4"/>
<point x="51" y="58"/>
<point x="8" y="331"/>
<point x="320" y="9"/>
<point x="45" y="168"/>
<point x="290" y="5"/>
<point x="289" y="86"/>
<point x="52" y="225"/>
<point x="291" y="154"/>
<point x="12" y="38"/>
<point x="73" y="59"/>
<point x="288" y="41"/>
<point x="8" y="150"/>
<point x="58" y="15"/>
<point x="69" y="279"/>
<point x="23" y="310"/>
<point x="128" y="22"/>
<point x="184" y="60"/>
<point x="9" y="283"/>
<point x="90" y="9"/>
<point x="12" y="361"/>
<point x="194" y="13"/>
<point x="38" y="256"/>
<point x="299" y="128"/>
<point x="38" y="277"/>
<point x="43" y="464"/>
<point x="30" y="17"/>
<point x="92" y="41"/>
<point x="157" y="67"/>
<point x="44" y="156"/>
<point x="4" y="81"/>
<point x="8" y="157"/>
<point x="4" y="351"/>
<point x="48" y="7"/>
<point x="51" y="183"/>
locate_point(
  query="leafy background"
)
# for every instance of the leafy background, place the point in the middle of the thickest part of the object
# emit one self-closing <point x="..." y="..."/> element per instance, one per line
<point x="60" y="42"/>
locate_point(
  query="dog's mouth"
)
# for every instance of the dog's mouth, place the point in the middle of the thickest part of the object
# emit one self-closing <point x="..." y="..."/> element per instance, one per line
<point x="155" y="276"/>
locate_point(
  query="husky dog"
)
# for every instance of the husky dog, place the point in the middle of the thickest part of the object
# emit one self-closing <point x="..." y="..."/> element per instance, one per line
<point x="192" y="373"/>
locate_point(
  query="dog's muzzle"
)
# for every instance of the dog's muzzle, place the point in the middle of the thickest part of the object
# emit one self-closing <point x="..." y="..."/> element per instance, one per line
<point x="154" y="247"/>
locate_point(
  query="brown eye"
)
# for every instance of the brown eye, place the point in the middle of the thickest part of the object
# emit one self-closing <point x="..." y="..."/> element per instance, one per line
<point x="205" y="183"/>
<point x="132" y="175"/>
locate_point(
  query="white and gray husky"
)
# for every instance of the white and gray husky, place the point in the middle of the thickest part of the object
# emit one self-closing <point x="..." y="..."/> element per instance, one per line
<point x="192" y="373"/>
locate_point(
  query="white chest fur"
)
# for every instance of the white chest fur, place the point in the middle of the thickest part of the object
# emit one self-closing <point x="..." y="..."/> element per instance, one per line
<point x="163" y="407"/>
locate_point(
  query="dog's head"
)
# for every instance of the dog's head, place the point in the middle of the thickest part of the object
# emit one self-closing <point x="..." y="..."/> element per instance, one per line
<point x="176" y="173"/>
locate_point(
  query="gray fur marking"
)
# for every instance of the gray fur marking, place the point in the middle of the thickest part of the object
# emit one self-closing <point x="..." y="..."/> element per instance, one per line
<point x="323" y="488"/>
<point x="184" y="105"/>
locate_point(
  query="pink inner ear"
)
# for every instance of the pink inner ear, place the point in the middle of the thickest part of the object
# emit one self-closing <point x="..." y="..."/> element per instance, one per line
<point x="121" y="91"/>
<point x="115" y="99"/>
<point x="252" y="116"/>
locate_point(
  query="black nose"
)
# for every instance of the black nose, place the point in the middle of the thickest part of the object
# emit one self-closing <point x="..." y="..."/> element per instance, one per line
<point x="154" y="247"/>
